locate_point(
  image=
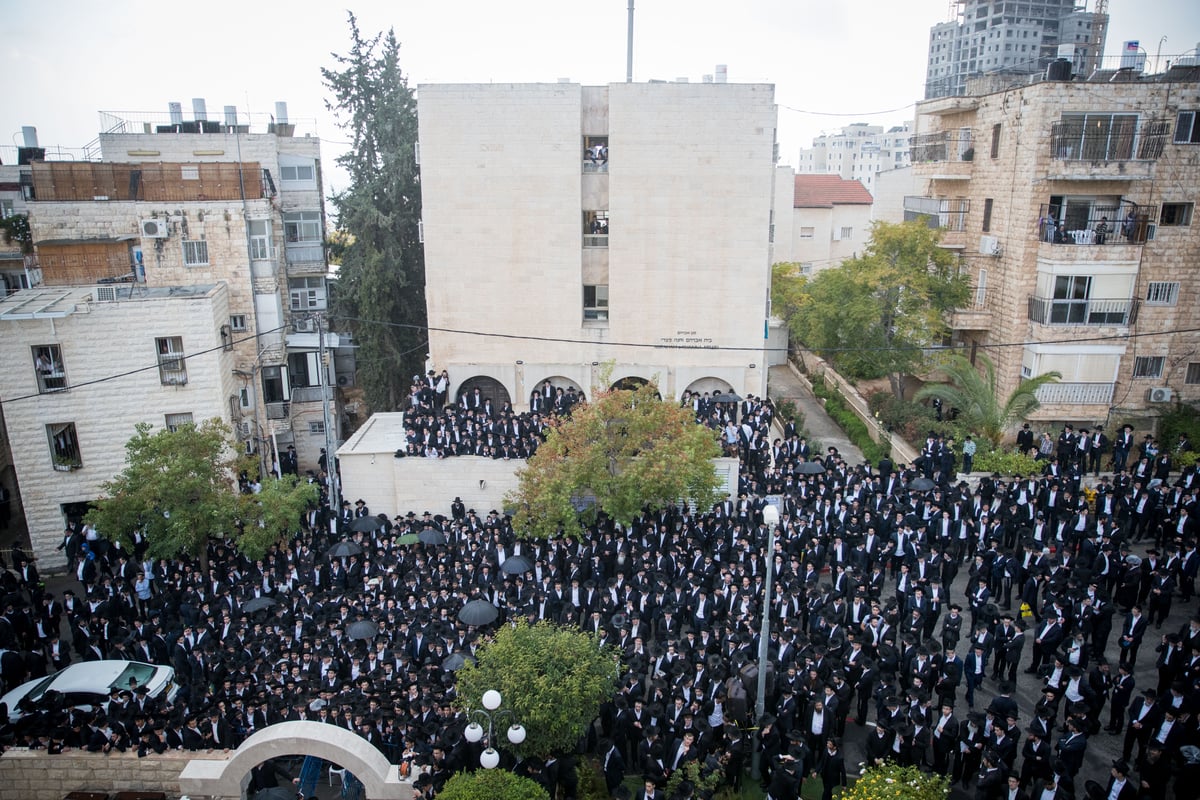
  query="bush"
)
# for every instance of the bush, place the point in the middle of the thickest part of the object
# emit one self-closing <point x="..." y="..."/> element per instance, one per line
<point x="893" y="782"/>
<point x="1184" y="419"/>
<point x="591" y="780"/>
<point x="850" y="422"/>
<point x="909" y="419"/>
<point x="695" y="775"/>
<point x="491" y="784"/>
<point x="1005" y="462"/>
<point x="1186" y="459"/>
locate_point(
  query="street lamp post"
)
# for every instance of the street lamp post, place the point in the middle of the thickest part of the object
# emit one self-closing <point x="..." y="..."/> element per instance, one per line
<point x="771" y="519"/>
<point x="490" y="758"/>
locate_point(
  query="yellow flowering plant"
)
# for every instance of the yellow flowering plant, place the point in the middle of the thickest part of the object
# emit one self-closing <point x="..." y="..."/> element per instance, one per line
<point x="894" y="782"/>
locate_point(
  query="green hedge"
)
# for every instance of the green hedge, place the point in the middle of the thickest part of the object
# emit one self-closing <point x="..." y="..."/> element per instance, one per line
<point x="850" y="422"/>
<point x="491" y="784"/>
<point x="1005" y="462"/>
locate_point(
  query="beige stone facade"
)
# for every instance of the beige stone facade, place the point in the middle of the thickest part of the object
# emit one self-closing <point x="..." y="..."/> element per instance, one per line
<point x="1071" y="204"/>
<point x="545" y="262"/>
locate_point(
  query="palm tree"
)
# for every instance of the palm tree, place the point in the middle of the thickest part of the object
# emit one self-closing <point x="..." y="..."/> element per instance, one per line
<point x="973" y="393"/>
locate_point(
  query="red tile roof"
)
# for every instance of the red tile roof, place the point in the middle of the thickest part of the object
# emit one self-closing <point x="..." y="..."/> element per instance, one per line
<point x="826" y="191"/>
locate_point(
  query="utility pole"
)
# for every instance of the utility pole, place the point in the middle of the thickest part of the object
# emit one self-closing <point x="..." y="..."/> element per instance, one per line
<point x="335" y="501"/>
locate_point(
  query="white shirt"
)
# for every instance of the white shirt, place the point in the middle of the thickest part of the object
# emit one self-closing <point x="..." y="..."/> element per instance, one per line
<point x="1117" y="786"/>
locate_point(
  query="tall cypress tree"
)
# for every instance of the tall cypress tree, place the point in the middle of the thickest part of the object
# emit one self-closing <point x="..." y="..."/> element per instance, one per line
<point x="381" y="286"/>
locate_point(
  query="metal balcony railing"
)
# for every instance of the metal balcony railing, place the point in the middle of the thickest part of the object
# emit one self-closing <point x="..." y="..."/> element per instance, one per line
<point x="278" y="410"/>
<point x="1092" y="224"/>
<point x="305" y="253"/>
<point x="1076" y="393"/>
<point x="941" y="146"/>
<point x="1118" y="137"/>
<point x="1091" y="311"/>
<point x="945" y="213"/>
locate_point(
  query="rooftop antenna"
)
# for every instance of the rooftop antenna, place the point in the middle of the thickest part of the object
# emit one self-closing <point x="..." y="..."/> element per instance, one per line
<point x="629" y="48"/>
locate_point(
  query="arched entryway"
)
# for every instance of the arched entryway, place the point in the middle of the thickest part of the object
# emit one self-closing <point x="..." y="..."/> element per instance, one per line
<point x="710" y="385"/>
<point x="632" y="383"/>
<point x="489" y="389"/>
<point x="228" y="778"/>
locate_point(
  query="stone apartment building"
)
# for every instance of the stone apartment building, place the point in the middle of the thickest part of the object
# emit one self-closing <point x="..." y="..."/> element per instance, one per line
<point x="568" y="226"/>
<point x="1071" y="203"/>
<point x="165" y="214"/>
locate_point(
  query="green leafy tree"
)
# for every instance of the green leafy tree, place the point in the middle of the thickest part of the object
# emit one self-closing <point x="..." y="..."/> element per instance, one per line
<point x="381" y="284"/>
<point x="15" y="230"/>
<point x="491" y="784"/>
<point x="974" y="394"/>
<point x="890" y="781"/>
<point x="874" y="314"/>
<point x="552" y="678"/>
<point x="178" y="488"/>
<point x="625" y="450"/>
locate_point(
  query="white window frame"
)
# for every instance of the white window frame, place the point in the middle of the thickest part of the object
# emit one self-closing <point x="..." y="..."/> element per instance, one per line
<point x="54" y="379"/>
<point x="237" y="322"/>
<point x="316" y="427"/>
<point x="307" y="294"/>
<point x="1162" y="293"/>
<point x="1148" y="367"/>
<point x="1186" y="209"/>
<point x="6" y="209"/>
<point x="172" y="362"/>
<point x="1187" y="128"/>
<point x="261" y="245"/>
<point x="172" y="421"/>
<point x="597" y="311"/>
<point x="808" y="232"/>
<point x="195" y="252"/>
<point x="847" y="232"/>
<point x="295" y="172"/>
<point x="305" y="226"/>
<point x="244" y="398"/>
<point x="189" y="172"/>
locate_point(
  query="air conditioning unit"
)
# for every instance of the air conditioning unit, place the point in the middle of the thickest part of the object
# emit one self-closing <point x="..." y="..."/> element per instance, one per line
<point x="105" y="294"/>
<point x="154" y="228"/>
<point x="1160" y="394"/>
<point x="304" y="325"/>
<point x="989" y="246"/>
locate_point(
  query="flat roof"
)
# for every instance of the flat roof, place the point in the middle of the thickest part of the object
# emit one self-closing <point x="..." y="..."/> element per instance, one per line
<point x="56" y="302"/>
<point x="383" y="432"/>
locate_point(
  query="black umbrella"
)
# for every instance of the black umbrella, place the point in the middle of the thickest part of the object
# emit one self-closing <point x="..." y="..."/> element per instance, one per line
<point x="257" y="604"/>
<point x="920" y="485"/>
<point x="362" y="629"/>
<point x="725" y="397"/>
<point x="430" y="536"/>
<point x="478" y="612"/>
<point x="365" y="524"/>
<point x="344" y="549"/>
<point x="809" y="468"/>
<point x="456" y="661"/>
<point x="517" y="565"/>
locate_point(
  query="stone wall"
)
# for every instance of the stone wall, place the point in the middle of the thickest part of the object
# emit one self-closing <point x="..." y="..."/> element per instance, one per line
<point x="33" y="775"/>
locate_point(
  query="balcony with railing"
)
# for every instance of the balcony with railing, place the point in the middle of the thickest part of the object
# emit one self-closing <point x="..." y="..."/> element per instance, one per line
<point x="975" y="316"/>
<point x="945" y="213"/>
<point x="305" y="258"/>
<point x="278" y="410"/>
<point x="1100" y="394"/>
<point x="1106" y="147"/>
<point x="1093" y="224"/>
<point x="1088" y="311"/>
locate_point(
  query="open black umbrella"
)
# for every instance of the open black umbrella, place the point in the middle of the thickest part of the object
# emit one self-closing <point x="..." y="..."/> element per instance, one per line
<point x="258" y="604"/>
<point x="478" y="612"/>
<point x="809" y="468"/>
<point x="344" y="549"/>
<point x="366" y="524"/>
<point x="456" y="661"/>
<point x="725" y="397"/>
<point x="430" y="536"/>
<point x="517" y="565"/>
<point x="362" y="629"/>
<point x="920" y="485"/>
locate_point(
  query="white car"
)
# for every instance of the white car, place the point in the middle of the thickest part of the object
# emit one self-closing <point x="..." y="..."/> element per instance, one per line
<point x="88" y="684"/>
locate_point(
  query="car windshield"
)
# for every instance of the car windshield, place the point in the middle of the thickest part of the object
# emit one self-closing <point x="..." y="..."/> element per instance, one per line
<point x="36" y="692"/>
<point x="142" y="673"/>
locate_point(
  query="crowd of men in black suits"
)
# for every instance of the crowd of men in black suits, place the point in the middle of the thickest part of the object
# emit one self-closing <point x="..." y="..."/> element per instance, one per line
<point x="865" y="630"/>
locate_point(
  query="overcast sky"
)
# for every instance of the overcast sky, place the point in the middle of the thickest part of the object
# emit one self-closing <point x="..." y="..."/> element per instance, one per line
<point x="832" y="62"/>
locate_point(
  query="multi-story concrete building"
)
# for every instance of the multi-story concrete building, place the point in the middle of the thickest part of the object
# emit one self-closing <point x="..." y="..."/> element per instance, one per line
<point x="163" y="208"/>
<point x="567" y="226"/>
<point x="857" y="152"/>
<point x="986" y="36"/>
<point x="830" y="221"/>
<point x="1074" y="216"/>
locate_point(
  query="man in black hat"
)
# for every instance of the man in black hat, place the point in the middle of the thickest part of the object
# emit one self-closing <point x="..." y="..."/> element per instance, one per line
<point x="1119" y="787"/>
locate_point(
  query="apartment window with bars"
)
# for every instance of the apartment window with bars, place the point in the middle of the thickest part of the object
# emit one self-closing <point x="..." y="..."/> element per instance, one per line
<point x="237" y="322"/>
<point x="195" y="252"/>
<point x="1148" y="366"/>
<point x="48" y="367"/>
<point x="1162" y="293"/>
<point x="302" y="226"/>
<point x="316" y="428"/>
<point x="64" y="446"/>
<point x="172" y="369"/>
<point x="173" y="421"/>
